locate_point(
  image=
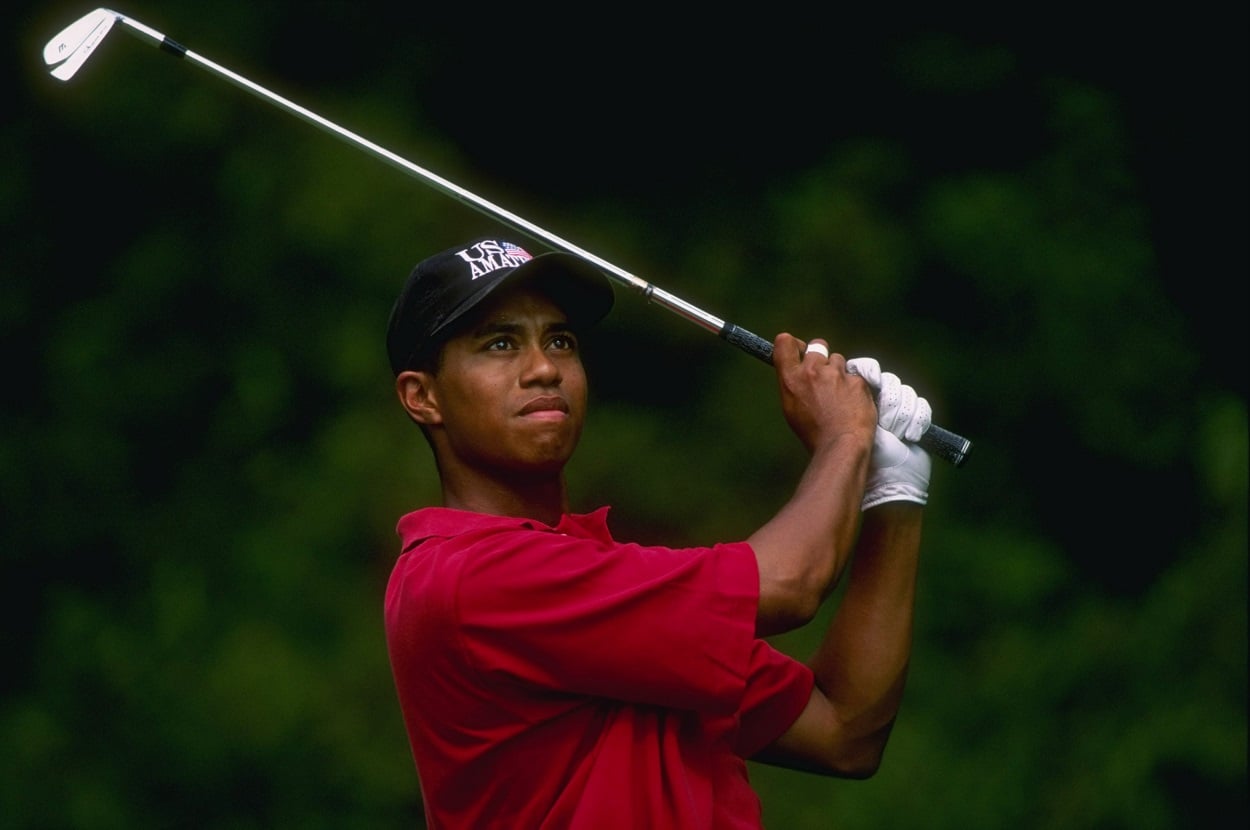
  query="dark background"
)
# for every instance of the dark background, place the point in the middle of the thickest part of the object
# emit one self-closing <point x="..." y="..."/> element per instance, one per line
<point x="1038" y="219"/>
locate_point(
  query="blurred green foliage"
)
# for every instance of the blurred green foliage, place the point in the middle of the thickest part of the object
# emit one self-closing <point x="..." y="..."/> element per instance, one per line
<point x="201" y="463"/>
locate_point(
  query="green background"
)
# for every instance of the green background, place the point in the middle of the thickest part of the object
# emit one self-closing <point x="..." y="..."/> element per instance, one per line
<point x="1036" y="217"/>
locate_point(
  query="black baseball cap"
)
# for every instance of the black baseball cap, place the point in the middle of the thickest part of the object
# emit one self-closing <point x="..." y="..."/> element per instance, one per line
<point x="443" y="287"/>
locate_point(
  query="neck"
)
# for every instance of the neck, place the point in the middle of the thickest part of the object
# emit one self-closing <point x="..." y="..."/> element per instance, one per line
<point x="543" y="497"/>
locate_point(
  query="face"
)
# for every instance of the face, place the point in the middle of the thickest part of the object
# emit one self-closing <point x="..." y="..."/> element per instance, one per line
<point x="509" y="394"/>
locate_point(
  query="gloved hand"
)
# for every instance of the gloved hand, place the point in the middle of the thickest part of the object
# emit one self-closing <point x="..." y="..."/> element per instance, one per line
<point x="899" y="470"/>
<point x="899" y="409"/>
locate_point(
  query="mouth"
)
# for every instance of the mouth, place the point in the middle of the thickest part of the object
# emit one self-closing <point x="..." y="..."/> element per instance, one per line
<point x="546" y="406"/>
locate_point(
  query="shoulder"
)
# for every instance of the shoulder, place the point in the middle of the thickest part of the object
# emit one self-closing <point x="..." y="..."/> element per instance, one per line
<point x="445" y="523"/>
<point x="509" y="553"/>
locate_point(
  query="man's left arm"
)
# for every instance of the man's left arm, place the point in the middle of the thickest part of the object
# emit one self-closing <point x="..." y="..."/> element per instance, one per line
<point x="861" y="664"/>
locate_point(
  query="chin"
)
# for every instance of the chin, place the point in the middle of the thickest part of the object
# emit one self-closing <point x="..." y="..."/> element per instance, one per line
<point x="551" y="459"/>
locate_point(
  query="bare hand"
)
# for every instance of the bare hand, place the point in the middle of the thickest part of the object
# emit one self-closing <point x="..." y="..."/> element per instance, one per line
<point x="821" y="400"/>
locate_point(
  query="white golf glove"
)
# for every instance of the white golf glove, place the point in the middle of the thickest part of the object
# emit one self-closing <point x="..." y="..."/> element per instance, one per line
<point x="899" y="470"/>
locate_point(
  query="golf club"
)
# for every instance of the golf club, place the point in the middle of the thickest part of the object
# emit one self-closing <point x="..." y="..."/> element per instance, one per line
<point x="69" y="50"/>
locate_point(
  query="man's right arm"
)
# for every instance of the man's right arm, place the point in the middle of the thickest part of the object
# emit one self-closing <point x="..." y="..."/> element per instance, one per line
<point x="802" y="551"/>
<point x="861" y="666"/>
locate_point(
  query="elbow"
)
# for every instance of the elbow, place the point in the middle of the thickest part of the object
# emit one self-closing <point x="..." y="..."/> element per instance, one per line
<point x="804" y="605"/>
<point x="855" y="764"/>
<point x="795" y="580"/>
<point x="787" y="607"/>
<point x="859" y="759"/>
<point x="858" y="768"/>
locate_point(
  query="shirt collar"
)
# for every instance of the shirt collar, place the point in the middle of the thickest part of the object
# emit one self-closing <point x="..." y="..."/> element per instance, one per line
<point x="427" y="522"/>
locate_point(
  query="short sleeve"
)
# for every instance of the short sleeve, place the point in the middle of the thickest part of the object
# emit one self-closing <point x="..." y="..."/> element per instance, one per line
<point x="669" y="627"/>
<point x="777" y="691"/>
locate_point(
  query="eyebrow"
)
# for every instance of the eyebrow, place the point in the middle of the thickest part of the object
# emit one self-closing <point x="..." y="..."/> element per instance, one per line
<point x="504" y="326"/>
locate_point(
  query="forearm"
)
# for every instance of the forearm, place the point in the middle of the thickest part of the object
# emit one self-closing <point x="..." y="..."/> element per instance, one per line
<point x="861" y="664"/>
<point x="803" y="550"/>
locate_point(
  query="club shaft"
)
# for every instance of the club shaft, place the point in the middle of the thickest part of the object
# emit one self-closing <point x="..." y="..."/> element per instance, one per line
<point x="936" y="440"/>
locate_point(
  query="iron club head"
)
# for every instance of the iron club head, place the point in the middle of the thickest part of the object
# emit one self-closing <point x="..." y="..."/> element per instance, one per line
<point x="69" y="49"/>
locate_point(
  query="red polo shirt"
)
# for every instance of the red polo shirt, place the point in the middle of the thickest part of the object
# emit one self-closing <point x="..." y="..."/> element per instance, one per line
<point x="556" y="678"/>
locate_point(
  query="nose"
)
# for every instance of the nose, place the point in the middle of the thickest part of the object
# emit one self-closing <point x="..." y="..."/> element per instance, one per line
<point x="540" y="368"/>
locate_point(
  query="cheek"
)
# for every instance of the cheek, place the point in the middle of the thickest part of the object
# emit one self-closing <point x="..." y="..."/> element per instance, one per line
<point x="575" y="390"/>
<point x="471" y="400"/>
<point x="574" y="379"/>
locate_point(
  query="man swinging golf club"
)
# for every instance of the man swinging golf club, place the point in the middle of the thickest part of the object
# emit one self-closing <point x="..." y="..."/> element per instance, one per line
<point x="551" y="676"/>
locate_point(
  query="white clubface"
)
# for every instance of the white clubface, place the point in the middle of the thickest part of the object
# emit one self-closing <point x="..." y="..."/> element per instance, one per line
<point x="71" y="48"/>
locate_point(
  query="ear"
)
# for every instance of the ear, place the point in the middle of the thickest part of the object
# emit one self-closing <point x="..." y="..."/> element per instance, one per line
<point x="417" y="397"/>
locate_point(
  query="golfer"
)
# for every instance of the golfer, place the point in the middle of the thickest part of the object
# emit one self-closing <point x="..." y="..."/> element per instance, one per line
<point x="551" y="676"/>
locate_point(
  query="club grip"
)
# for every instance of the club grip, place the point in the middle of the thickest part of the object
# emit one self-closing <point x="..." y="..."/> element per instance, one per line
<point x="750" y="343"/>
<point x="945" y="444"/>
<point x="936" y="441"/>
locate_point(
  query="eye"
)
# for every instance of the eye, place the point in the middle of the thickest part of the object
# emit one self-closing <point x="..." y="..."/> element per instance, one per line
<point x="564" y="341"/>
<point x="498" y="344"/>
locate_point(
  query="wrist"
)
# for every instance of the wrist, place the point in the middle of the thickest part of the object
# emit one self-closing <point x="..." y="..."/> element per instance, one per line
<point x="894" y="494"/>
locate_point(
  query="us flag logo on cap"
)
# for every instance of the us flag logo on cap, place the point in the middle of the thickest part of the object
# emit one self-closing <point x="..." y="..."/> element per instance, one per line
<point x="516" y="251"/>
